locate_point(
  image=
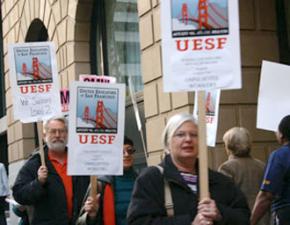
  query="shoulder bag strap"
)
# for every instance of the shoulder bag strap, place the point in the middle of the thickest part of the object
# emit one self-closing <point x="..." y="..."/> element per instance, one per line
<point x="168" y="203"/>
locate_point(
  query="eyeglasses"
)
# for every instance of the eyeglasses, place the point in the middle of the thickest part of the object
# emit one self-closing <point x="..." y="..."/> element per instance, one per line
<point x="182" y="135"/>
<point x="55" y="131"/>
<point x="129" y="151"/>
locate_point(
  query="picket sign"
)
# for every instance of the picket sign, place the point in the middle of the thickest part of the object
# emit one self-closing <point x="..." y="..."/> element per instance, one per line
<point x="96" y="79"/>
<point x="200" y="56"/>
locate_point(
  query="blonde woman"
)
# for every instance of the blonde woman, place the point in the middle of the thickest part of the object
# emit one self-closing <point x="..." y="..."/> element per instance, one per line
<point x="246" y="171"/>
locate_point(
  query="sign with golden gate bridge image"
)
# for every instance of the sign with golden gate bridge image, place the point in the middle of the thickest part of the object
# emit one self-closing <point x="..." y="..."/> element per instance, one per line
<point x="199" y="17"/>
<point x="96" y="128"/>
<point x="97" y="110"/>
<point x="200" y="45"/>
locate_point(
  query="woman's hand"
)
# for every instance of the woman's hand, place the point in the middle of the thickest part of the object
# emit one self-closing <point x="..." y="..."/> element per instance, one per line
<point x="207" y="213"/>
<point x="92" y="206"/>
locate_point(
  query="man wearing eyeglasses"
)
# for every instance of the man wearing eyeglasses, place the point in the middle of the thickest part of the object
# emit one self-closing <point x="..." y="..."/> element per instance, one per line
<point x="110" y="206"/>
<point x="54" y="196"/>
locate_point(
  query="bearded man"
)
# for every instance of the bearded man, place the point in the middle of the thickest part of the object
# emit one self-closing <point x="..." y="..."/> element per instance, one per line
<point x="55" y="197"/>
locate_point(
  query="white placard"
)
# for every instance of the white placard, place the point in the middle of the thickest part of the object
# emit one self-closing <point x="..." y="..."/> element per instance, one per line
<point x="274" y="95"/>
<point x="96" y="131"/>
<point x="212" y="111"/>
<point x="200" y="45"/>
<point x="34" y="81"/>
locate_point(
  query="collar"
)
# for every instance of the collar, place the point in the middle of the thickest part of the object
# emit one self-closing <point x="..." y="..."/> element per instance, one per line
<point x="172" y="174"/>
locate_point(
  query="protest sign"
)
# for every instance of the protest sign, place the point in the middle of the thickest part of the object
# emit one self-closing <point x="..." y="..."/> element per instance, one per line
<point x="200" y="45"/>
<point x="212" y="100"/>
<point x="34" y="82"/>
<point x="96" y="131"/>
<point x="274" y="95"/>
<point x="200" y="52"/>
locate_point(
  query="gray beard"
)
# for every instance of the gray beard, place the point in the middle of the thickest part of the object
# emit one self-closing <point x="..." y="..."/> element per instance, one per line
<point x="57" y="146"/>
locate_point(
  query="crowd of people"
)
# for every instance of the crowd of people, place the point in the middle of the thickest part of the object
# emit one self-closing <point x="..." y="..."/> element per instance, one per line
<point x="242" y="192"/>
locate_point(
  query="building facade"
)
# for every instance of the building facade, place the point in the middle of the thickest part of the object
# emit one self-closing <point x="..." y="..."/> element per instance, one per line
<point x="122" y="38"/>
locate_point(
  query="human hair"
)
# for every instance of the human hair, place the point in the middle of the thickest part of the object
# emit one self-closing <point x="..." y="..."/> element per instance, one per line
<point x="238" y="141"/>
<point x="128" y="141"/>
<point x="172" y="125"/>
<point x="58" y="118"/>
<point x="284" y="128"/>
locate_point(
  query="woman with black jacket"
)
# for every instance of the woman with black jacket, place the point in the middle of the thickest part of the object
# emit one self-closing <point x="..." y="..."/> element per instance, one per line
<point x="226" y="205"/>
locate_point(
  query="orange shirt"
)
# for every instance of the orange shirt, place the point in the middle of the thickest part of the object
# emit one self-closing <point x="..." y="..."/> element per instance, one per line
<point x="61" y="169"/>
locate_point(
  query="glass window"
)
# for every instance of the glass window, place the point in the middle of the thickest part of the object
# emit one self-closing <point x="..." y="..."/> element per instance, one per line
<point x="283" y="23"/>
<point x="117" y="50"/>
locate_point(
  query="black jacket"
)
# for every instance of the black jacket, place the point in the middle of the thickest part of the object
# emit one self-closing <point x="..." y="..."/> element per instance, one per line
<point x="49" y="200"/>
<point x="147" y="203"/>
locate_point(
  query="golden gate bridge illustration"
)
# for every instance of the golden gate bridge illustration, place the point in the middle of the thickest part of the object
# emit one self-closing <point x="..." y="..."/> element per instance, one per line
<point x="39" y="71"/>
<point x="207" y="16"/>
<point x="103" y="117"/>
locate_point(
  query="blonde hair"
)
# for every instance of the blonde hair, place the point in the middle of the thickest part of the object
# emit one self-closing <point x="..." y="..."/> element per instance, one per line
<point x="172" y="125"/>
<point x="238" y="141"/>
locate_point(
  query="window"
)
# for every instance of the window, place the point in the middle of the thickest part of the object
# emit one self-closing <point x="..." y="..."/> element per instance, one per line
<point x="115" y="51"/>
<point x="283" y="24"/>
<point x="115" y="35"/>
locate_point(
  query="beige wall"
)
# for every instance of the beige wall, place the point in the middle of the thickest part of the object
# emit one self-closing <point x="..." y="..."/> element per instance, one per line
<point x="238" y="107"/>
<point x="68" y="23"/>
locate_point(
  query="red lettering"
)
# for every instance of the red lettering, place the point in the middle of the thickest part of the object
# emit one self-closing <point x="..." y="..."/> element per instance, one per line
<point x="94" y="139"/>
<point x="48" y="87"/>
<point x="221" y="42"/>
<point x="111" y="139"/>
<point x="209" y="43"/>
<point x="41" y="88"/>
<point x="33" y="89"/>
<point x="24" y="89"/>
<point x="185" y="45"/>
<point x="83" y="141"/>
<point x="103" y="139"/>
<point x="197" y="44"/>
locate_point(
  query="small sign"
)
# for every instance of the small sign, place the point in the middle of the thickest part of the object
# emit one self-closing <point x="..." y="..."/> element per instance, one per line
<point x="34" y="81"/>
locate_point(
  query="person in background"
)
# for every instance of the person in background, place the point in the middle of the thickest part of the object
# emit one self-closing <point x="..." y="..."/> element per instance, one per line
<point x="246" y="171"/>
<point x="275" y="188"/>
<point x="4" y="192"/>
<point x="226" y="206"/>
<point x="54" y="196"/>
<point x="110" y="206"/>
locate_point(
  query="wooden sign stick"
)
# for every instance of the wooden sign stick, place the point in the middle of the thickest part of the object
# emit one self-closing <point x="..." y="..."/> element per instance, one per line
<point x="94" y="181"/>
<point x="40" y="141"/>
<point x="202" y="146"/>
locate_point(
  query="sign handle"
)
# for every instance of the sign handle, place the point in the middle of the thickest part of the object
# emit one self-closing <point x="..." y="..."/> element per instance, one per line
<point x="202" y="153"/>
<point x="40" y="141"/>
<point x="94" y="181"/>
